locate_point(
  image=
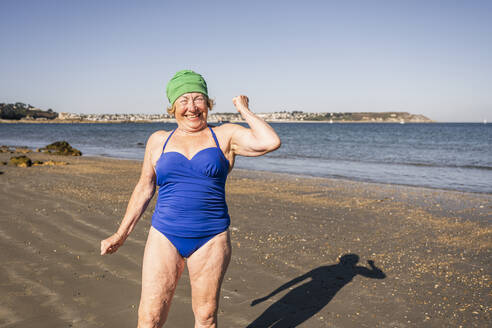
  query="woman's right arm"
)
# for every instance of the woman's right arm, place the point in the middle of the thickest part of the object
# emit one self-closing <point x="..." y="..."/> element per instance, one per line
<point x="140" y="198"/>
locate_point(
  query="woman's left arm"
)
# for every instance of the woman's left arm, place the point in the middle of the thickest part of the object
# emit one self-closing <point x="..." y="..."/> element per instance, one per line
<point x="259" y="139"/>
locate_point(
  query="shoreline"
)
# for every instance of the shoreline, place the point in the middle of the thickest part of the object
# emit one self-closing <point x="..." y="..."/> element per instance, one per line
<point x="341" y="179"/>
<point x="431" y="247"/>
<point x="347" y="179"/>
<point x="354" y="180"/>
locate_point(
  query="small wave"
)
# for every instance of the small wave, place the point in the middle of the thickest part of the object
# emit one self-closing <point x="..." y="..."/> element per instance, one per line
<point x="476" y="167"/>
<point x="350" y="160"/>
<point x="453" y="166"/>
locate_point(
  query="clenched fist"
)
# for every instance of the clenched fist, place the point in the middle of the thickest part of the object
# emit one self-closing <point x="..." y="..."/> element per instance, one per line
<point x="241" y="102"/>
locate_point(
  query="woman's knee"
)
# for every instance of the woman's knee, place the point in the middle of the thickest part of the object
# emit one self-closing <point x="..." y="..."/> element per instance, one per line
<point x="150" y="318"/>
<point x="206" y="314"/>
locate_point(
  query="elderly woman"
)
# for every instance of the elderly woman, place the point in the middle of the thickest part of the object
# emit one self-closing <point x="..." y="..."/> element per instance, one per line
<point x="190" y="165"/>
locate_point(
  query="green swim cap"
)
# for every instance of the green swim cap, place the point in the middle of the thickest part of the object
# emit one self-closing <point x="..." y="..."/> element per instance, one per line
<point x="183" y="82"/>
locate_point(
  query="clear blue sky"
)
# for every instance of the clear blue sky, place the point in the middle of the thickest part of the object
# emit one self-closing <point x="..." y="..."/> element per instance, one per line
<point x="425" y="57"/>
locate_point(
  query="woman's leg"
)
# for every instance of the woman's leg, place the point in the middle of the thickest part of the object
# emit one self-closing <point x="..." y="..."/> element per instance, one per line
<point x="207" y="267"/>
<point x="162" y="267"/>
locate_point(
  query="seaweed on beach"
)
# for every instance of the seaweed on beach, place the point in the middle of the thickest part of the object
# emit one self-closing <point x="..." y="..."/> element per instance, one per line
<point x="20" y="161"/>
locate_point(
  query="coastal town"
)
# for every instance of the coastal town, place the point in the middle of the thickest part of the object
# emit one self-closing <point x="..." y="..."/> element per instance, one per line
<point x="20" y="112"/>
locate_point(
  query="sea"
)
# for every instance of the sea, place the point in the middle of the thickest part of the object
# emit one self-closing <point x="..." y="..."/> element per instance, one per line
<point x="451" y="156"/>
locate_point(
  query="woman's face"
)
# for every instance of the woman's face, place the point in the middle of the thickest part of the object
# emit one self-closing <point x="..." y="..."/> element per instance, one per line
<point x="191" y="111"/>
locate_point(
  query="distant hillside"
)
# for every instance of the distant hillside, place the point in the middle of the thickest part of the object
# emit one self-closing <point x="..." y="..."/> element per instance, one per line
<point x="297" y="116"/>
<point x="20" y="110"/>
<point x="368" y="117"/>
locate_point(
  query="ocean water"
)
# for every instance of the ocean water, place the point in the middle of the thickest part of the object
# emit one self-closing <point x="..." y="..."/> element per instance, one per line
<point x="454" y="156"/>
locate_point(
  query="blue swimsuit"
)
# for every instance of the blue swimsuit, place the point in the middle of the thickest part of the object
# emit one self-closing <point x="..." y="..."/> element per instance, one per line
<point x="191" y="207"/>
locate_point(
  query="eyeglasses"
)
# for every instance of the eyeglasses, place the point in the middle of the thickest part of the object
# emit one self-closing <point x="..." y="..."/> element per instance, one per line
<point x="197" y="101"/>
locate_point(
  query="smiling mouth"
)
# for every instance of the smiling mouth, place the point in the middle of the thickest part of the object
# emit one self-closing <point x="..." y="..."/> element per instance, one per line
<point x="192" y="116"/>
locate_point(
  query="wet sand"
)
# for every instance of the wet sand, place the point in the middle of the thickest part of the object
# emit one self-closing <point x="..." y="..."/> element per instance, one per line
<point x="414" y="257"/>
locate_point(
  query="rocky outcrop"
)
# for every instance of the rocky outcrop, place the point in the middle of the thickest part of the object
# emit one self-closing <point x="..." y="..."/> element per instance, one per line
<point x="20" y="110"/>
<point x="61" y="148"/>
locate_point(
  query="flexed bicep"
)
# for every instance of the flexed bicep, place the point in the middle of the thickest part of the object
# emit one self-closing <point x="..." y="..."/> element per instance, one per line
<point x="260" y="138"/>
<point x="245" y="143"/>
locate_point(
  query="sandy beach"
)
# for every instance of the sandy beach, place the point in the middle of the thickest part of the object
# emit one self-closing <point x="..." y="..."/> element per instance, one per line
<point x="413" y="257"/>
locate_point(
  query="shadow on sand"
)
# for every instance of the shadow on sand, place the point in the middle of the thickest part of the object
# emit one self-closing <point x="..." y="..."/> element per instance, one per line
<point x="304" y="301"/>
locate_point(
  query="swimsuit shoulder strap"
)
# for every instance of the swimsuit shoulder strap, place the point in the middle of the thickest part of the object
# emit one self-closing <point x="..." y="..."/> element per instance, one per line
<point x="215" y="138"/>
<point x="169" y="137"/>
<point x="218" y="147"/>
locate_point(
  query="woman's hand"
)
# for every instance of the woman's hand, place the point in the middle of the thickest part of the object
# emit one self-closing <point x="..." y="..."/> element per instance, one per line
<point x="111" y="244"/>
<point x="241" y="102"/>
